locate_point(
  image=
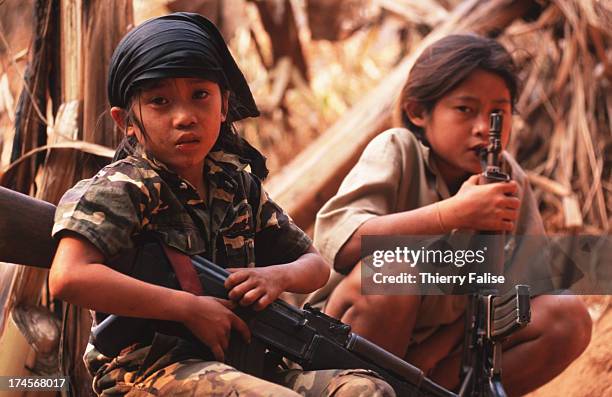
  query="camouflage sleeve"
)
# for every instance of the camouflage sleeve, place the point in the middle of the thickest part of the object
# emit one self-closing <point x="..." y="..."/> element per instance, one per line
<point x="108" y="209"/>
<point x="277" y="238"/>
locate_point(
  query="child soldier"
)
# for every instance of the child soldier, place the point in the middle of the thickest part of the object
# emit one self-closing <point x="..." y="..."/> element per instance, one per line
<point x="182" y="174"/>
<point x="423" y="179"/>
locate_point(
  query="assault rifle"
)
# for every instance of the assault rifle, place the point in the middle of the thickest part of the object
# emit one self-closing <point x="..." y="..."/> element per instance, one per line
<point x="306" y="336"/>
<point x="313" y="339"/>
<point x="491" y="318"/>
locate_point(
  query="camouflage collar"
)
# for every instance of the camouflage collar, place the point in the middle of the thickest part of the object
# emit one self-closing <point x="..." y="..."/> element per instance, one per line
<point x="229" y="159"/>
<point x="155" y="164"/>
<point x="222" y="174"/>
<point x="215" y="163"/>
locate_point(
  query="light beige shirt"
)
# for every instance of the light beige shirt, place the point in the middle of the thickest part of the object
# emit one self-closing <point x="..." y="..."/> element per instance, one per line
<point x="396" y="173"/>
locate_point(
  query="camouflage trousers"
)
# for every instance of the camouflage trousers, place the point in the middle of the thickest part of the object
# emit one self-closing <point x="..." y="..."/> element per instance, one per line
<point x="151" y="371"/>
<point x="211" y="378"/>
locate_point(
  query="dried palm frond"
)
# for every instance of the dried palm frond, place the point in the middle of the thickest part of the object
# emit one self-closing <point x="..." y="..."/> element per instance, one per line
<point x="564" y="132"/>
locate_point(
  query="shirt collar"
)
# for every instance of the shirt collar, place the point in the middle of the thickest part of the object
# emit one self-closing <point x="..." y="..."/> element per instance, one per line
<point x="215" y="163"/>
<point x="220" y="169"/>
<point x="433" y="173"/>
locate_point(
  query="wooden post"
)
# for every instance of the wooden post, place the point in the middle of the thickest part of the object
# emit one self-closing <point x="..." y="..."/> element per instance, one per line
<point x="88" y="33"/>
<point x="100" y="25"/>
<point x="105" y="24"/>
<point x="30" y="131"/>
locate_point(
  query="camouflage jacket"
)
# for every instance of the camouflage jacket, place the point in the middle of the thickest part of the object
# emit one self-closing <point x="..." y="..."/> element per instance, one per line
<point x="237" y="226"/>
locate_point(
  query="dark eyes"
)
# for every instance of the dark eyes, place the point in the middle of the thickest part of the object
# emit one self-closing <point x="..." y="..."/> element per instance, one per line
<point x="468" y="109"/>
<point x="160" y="100"/>
<point x="200" y="94"/>
<point x="463" y="109"/>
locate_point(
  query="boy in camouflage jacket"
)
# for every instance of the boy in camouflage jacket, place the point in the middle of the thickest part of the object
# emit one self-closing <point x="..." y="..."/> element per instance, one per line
<point x="182" y="173"/>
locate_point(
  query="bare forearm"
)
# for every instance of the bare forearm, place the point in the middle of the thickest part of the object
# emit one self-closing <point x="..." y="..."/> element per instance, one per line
<point x="100" y="288"/>
<point x="431" y="219"/>
<point x="306" y="274"/>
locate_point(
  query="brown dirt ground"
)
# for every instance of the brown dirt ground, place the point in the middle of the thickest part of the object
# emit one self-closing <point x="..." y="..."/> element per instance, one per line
<point x="591" y="374"/>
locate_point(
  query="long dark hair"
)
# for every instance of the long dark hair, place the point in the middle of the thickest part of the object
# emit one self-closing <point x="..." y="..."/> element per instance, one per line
<point x="447" y="63"/>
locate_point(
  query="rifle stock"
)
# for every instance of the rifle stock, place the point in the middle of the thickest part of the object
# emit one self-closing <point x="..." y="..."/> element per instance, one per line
<point x="25" y="230"/>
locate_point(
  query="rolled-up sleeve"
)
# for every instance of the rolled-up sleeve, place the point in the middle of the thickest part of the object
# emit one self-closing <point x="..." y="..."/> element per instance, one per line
<point x="369" y="190"/>
<point x="107" y="209"/>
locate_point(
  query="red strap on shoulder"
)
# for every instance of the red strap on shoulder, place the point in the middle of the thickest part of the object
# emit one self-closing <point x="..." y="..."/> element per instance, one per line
<point x="184" y="270"/>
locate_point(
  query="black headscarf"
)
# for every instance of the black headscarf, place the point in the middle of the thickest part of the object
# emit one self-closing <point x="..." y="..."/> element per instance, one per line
<point x="177" y="45"/>
<point x="183" y="45"/>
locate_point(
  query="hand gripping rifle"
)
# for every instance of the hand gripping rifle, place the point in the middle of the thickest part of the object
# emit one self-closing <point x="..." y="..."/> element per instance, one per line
<point x="491" y="318"/>
<point x="305" y="336"/>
